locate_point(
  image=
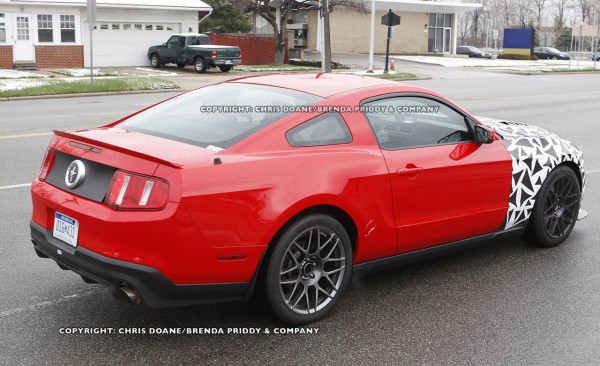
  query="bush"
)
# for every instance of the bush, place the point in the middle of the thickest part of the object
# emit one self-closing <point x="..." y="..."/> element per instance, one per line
<point x="315" y="63"/>
<point x="514" y="56"/>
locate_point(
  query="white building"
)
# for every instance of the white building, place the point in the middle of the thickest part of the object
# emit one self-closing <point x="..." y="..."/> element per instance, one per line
<point x="55" y="33"/>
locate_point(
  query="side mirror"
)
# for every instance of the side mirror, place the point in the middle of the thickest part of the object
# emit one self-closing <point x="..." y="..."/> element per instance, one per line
<point x="483" y="135"/>
<point x="164" y="44"/>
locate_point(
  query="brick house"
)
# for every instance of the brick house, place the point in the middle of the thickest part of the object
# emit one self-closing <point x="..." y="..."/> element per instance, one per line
<point x="55" y="33"/>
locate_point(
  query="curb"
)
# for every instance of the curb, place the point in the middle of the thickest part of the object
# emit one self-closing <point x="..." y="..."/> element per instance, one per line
<point x="78" y="95"/>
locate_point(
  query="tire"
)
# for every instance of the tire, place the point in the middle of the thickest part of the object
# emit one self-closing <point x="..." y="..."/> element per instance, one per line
<point x="303" y="286"/>
<point x="200" y="64"/>
<point x="554" y="58"/>
<point x="225" y="68"/>
<point x="155" y="61"/>
<point x="181" y="65"/>
<point x="556" y="208"/>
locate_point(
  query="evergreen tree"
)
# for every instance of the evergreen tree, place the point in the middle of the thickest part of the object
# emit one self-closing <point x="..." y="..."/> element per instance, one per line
<point x="224" y="19"/>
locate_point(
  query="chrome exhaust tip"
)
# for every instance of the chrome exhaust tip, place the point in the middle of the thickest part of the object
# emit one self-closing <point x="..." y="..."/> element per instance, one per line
<point x="132" y="295"/>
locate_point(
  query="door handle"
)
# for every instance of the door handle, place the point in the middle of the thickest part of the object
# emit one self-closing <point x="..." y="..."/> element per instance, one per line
<point x="409" y="170"/>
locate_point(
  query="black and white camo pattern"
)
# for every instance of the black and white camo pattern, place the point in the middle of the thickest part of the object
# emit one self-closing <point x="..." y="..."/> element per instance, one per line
<point x="535" y="152"/>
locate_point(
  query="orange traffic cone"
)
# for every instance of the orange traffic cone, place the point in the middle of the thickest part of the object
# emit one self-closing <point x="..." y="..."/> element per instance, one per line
<point x="392" y="66"/>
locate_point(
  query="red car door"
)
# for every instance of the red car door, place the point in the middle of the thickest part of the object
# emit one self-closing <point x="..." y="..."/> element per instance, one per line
<point x="446" y="187"/>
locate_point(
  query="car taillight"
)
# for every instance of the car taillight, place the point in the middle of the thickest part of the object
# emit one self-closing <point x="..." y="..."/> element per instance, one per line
<point x="214" y="53"/>
<point x="46" y="165"/>
<point x="130" y="191"/>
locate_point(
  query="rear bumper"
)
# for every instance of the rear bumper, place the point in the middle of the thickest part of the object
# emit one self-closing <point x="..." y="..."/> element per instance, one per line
<point x="155" y="289"/>
<point x="227" y="62"/>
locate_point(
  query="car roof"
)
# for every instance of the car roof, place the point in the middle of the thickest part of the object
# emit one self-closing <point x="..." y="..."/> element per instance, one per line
<point x="321" y="84"/>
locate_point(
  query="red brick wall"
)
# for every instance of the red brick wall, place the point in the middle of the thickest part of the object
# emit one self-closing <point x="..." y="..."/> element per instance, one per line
<point x="6" y="57"/>
<point x="257" y="49"/>
<point x="59" y="56"/>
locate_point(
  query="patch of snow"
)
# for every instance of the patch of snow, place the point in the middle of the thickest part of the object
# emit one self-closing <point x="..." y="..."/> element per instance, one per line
<point x="19" y="74"/>
<point x="84" y="72"/>
<point x="6" y="85"/>
<point x="500" y="64"/>
<point x="161" y="72"/>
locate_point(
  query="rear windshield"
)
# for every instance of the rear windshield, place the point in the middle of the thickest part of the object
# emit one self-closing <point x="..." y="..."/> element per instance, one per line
<point x="219" y="116"/>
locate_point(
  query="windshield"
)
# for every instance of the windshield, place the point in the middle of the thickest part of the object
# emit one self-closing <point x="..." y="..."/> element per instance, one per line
<point x="554" y="50"/>
<point x="218" y="116"/>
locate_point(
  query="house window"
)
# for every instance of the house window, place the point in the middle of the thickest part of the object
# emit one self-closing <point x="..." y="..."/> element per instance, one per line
<point x="103" y="26"/>
<point x="260" y="24"/>
<point x="440" y="30"/>
<point x="67" y="28"/>
<point x="44" y="22"/>
<point x="126" y="26"/>
<point x="138" y="27"/>
<point x="159" y="27"/>
<point x="23" y="28"/>
<point x="116" y="26"/>
<point x="2" y="28"/>
<point x="148" y="26"/>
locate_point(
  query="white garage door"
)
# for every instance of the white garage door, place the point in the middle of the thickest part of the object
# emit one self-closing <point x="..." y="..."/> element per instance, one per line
<point x="126" y="44"/>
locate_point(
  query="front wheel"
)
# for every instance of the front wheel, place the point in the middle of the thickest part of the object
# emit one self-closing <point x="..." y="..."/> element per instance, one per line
<point x="309" y="269"/>
<point x="555" y="58"/>
<point x="556" y="208"/>
<point x="155" y="61"/>
<point x="226" y="68"/>
<point x="200" y="65"/>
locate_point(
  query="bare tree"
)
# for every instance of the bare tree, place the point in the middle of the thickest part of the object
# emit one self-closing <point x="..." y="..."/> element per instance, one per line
<point x="276" y="13"/>
<point x="523" y="12"/>
<point x="586" y="9"/>
<point x="539" y="7"/>
<point x="559" y="18"/>
<point x="463" y="26"/>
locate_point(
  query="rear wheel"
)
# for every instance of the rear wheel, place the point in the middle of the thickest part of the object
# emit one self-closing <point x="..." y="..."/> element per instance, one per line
<point x="554" y="58"/>
<point x="556" y="208"/>
<point x="225" y="68"/>
<point x="309" y="269"/>
<point x="200" y="64"/>
<point x="155" y="61"/>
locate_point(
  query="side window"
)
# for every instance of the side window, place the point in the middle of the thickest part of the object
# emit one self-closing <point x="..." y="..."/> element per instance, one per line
<point x="173" y="41"/>
<point x="407" y="122"/>
<point x="182" y="42"/>
<point x="326" y="129"/>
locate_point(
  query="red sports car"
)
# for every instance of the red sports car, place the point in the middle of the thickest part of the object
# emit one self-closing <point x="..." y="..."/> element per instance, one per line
<point x="290" y="183"/>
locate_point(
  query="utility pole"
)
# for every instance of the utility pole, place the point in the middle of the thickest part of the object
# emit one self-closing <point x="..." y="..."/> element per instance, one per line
<point x="91" y="18"/>
<point x="326" y="52"/>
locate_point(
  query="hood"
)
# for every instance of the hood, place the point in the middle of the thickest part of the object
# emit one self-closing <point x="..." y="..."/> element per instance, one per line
<point x="515" y="130"/>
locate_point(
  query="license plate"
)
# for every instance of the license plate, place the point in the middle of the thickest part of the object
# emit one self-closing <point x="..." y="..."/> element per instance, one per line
<point x="227" y="62"/>
<point x="66" y="229"/>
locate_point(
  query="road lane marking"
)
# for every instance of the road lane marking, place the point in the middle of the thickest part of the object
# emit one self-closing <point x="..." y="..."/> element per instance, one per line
<point x="16" y="186"/>
<point x="592" y="171"/>
<point x="25" y="135"/>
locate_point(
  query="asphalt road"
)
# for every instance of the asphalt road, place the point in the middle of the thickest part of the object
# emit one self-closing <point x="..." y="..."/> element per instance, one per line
<point x="502" y="303"/>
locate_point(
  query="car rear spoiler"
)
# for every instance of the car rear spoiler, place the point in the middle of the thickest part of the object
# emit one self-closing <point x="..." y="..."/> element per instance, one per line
<point x="80" y="138"/>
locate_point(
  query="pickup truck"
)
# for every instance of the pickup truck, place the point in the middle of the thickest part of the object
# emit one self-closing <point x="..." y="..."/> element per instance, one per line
<point x="194" y="49"/>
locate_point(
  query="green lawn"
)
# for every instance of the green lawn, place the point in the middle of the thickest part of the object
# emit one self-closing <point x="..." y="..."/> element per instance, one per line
<point x="67" y="86"/>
